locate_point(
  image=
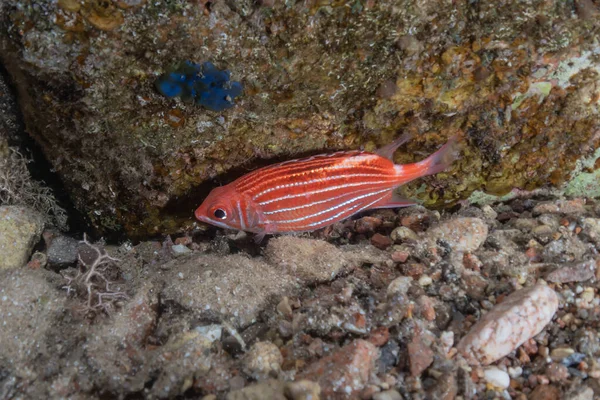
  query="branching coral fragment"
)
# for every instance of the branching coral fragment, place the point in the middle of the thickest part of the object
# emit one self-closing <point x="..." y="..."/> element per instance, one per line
<point x="91" y="282"/>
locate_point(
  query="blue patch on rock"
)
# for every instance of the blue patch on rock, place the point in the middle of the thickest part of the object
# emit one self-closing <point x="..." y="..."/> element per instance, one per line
<point x="204" y="84"/>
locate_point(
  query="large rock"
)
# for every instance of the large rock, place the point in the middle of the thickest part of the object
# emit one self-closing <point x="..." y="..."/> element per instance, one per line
<point x="358" y="74"/>
<point x="234" y="288"/>
<point x="20" y="229"/>
<point x="29" y="306"/>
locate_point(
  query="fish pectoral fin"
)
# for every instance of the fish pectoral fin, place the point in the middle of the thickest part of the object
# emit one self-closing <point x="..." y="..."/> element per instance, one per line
<point x="394" y="201"/>
<point x="260" y="235"/>
<point x="388" y="150"/>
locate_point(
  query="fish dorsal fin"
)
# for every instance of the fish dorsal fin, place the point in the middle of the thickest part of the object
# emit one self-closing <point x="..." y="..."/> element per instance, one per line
<point x="387" y="151"/>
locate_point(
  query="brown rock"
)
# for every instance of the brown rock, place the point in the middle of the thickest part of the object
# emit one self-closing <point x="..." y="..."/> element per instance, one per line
<point x="380" y="241"/>
<point x="367" y="224"/>
<point x="379" y="336"/>
<point x="416" y="222"/>
<point x="420" y="356"/>
<point x="545" y="392"/>
<point x="576" y="206"/>
<point x="302" y="390"/>
<point x="446" y="388"/>
<point x="344" y="373"/>
<point x="557" y="372"/>
<point x="400" y="256"/>
<point x="475" y="285"/>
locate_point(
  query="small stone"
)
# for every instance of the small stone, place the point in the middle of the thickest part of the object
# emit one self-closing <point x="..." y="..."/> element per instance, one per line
<point x="270" y="389"/>
<point x="580" y="393"/>
<point x="380" y="241"/>
<point x="400" y="256"/>
<point x="62" y="251"/>
<point x="591" y="229"/>
<point x="379" y="336"/>
<point x="420" y="356"/>
<point x="560" y="353"/>
<point x="489" y="213"/>
<point x="521" y="315"/>
<point x="472" y="262"/>
<point x="345" y="372"/>
<point x="574" y="272"/>
<point x="180" y="250"/>
<point x="387" y="395"/>
<point x="38" y="260"/>
<point x="403" y="234"/>
<point x="210" y="332"/>
<point x="285" y="308"/>
<point x="461" y="234"/>
<point x="515" y="372"/>
<point x="399" y="286"/>
<point x="543" y="233"/>
<point x="413" y="270"/>
<point x="367" y="224"/>
<point x="20" y="229"/>
<point x="557" y="372"/>
<point x="262" y="359"/>
<point x="302" y="390"/>
<point x="184" y="240"/>
<point x="425" y="280"/>
<point x="496" y="377"/>
<point x="416" y="222"/>
<point x="426" y="307"/>
<point x="545" y="392"/>
<point x="568" y="207"/>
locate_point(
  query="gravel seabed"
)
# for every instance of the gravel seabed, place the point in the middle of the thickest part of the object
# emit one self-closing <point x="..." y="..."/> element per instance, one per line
<point x="497" y="301"/>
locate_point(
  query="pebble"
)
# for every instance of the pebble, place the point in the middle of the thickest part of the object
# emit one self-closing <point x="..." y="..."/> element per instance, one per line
<point x="387" y="395"/>
<point x="344" y="373"/>
<point x="576" y="206"/>
<point x="545" y="392"/>
<point x="420" y="356"/>
<point x="496" y="377"/>
<point x="179" y="250"/>
<point x="543" y="233"/>
<point x="560" y="353"/>
<point x="302" y="390"/>
<point x="425" y="280"/>
<point x="557" y="372"/>
<point x="574" y="272"/>
<point x="210" y="332"/>
<point x="400" y="256"/>
<point x="367" y="224"/>
<point x="262" y="359"/>
<point x="379" y="336"/>
<point x="521" y="315"/>
<point x="416" y="222"/>
<point x="399" y="286"/>
<point x="20" y="229"/>
<point x="380" y="241"/>
<point x="63" y="251"/>
<point x="591" y="229"/>
<point x="403" y="234"/>
<point x="461" y="234"/>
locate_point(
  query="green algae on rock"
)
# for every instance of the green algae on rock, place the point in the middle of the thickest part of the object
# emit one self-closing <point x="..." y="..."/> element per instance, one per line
<point x="518" y="80"/>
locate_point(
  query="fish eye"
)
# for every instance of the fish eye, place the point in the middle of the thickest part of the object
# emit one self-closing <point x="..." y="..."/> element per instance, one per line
<point x="220" y="213"/>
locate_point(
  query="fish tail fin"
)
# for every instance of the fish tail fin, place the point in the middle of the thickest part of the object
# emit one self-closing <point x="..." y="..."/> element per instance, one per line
<point x="387" y="151"/>
<point x="441" y="159"/>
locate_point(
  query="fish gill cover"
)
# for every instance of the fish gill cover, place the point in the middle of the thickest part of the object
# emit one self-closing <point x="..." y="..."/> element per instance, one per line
<point x="203" y="84"/>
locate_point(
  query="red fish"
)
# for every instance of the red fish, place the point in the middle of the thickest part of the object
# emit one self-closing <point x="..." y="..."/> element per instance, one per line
<point x="311" y="193"/>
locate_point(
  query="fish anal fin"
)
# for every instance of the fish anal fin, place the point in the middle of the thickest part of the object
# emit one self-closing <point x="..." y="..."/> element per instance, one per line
<point x="387" y="151"/>
<point x="394" y="201"/>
